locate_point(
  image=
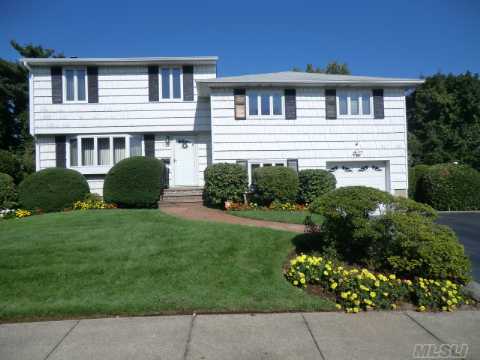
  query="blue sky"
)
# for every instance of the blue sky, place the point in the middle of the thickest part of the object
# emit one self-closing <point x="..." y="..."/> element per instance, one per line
<point x="378" y="38"/>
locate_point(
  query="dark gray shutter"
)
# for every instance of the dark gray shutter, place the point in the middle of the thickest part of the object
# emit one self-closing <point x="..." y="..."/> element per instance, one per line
<point x="57" y="88"/>
<point x="60" y="151"/>
<point x="188" y="83"/>
<point x="149" y="140"/>
<point x="243" y="164"/>
<point x="239" y="99"/>
<point x="378" y="107"/>
<point x="92" y="72"/>
<point x="290" y="104"/>
<point x="331" y="103"/>
<point x="293" y="164"/>
<point x="153" y="83"/>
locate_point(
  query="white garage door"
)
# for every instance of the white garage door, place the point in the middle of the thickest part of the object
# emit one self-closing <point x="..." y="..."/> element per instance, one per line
<point x="360" y="173"/>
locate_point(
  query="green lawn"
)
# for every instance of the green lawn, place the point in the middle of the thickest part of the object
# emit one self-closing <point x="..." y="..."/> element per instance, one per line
<point x="105" y="262"/>
<point x="293" y="217"/>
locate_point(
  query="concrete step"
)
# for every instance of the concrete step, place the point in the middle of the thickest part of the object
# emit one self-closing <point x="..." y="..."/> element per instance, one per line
<point x="181" y="196"/>
<point x="182" y="193"/>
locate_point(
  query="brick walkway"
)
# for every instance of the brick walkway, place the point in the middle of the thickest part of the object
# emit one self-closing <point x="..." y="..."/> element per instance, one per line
<point x="200" y="212"/>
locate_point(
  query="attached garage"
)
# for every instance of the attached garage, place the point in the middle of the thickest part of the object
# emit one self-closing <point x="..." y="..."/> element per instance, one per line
<point x="361" y="173"/>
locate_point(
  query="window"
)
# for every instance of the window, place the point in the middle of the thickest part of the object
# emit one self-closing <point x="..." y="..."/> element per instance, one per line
<point x="354" y="103"/>
<point x="118" y="149"/>
<point x="103" y="152"/>
<point x="258" y="164"/>
<point x="75" y="85"/>
<point x="136" y="145"/>
<point x="88" y="151"/>
<point x="171" y="83"/>
<point x="271" y="103"/>
<point x="73" y="152"/>
<point x="253" y="104"/>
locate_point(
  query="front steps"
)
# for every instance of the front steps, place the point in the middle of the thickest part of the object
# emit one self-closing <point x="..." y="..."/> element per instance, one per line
<point x="184" y="195"/>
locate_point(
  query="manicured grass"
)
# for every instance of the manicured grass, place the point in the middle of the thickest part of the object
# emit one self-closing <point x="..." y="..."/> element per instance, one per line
<point x="292" y="217"/>
<point x="106" y="262"/>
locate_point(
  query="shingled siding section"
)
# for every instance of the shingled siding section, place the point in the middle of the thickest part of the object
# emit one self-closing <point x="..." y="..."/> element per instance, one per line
<point x="123" y="105"/>
<point x="311" y="138"/>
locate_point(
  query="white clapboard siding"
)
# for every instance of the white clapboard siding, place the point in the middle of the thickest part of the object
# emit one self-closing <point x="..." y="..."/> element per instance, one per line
<point x="45" y="152"/>
<point x="123" y="104"/>
<point x="311" y="138"/>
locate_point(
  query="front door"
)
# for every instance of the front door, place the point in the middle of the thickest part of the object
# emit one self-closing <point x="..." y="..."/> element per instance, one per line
<point x="184" y="162"/>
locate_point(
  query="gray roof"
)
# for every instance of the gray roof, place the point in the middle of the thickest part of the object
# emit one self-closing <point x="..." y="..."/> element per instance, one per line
<point x="297" y="78"/>
<point x="120" y="61"/>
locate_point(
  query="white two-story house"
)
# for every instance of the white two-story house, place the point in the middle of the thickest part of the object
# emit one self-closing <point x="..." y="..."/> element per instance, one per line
<point x="89" y="113"/>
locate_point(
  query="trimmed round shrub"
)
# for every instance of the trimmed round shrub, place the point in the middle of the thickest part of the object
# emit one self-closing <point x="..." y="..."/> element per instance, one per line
<point x="275" y="183"/>
<point x="450" y="187"/>
<point x="52" y="189"/>
<point x="347" y="211"/>
<point x="8" y="194"/>
<point x="414" y="174"/>
<point x="9" y="164"/>
<point x="224" y="182"/>
<point x="136" y="182"/>
<point x="414" y="246"/>
<point x="314" y="183"/>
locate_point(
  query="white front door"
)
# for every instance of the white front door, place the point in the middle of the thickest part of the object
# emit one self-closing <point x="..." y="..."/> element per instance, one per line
<point x="184" y="162"/>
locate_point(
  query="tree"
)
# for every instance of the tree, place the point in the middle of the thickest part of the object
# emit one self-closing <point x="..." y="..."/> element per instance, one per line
<point x="444" y="120"/>
<point x="14" y="119"/>
<point x="332" y="67"/>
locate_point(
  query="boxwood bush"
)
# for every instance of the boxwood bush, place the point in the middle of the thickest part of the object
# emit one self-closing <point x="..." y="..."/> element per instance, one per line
<point x="52" y="189"/>
<point x="450" y="187"/>
<point x="275" y="183"/>
<point x="371" y="227"/>
<point x="414" y="174"/>
<point x="8" y="193"/>
<point x="136" y="182"/>
<point x="224" y="182"/>
<point x="314" y="183"/>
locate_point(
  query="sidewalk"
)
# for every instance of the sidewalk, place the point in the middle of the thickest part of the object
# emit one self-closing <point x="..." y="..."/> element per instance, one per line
<point x="200" y="212"/>
<point x="373" y="335"/>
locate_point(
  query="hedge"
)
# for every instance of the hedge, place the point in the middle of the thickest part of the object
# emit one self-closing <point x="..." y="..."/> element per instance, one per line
<point x="414" y="174"/>
<point x="52" y="189"/>
<point x="8" y="193"/>
<point x="450" y="187"/>
<point x="275" y="183"/>
<point x="9" y="165"/>
<point x="314" y="183"/>
<point x="368" y="226"/>
<point x="224" y="182"/>
<point x="136" y="182"/>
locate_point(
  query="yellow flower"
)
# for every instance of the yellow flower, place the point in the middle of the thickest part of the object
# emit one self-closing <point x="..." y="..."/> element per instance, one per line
<point x="421" y="308"/>
<point x="334" y="285"/>
<point x="302" y="280"/>
<point x="338" y="306"/>
<point x="392" y="277"/>
<point x="343" y="295"/>
<point x="373" y="294"/>
<point x="377" y="283"/>
<point x="393" y="306"/>
<point x="355" y="309"/>
<point x="295" y="282"/>
<point x="325" y="273"/>
<point x="385" y="294"/>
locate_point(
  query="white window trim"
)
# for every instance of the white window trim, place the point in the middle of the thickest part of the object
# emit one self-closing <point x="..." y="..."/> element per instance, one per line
<point x="261" y="163"/>
<point x="356" y="92"/>
<point x="170" y="82"/>
<point x="75" y="85"/>
<point x="259" y="93"/>
<point x="95" y="168"/>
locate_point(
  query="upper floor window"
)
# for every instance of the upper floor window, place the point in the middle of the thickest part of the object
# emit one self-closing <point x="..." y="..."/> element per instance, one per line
<point x="265" y="103"/>
<point x="75" y="89"/>
<point x="354" y="102"/>
<point x="171" y="83"/>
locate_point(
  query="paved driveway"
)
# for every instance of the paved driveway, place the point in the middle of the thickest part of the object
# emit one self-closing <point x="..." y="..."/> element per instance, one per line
<point x="467" y="227"/>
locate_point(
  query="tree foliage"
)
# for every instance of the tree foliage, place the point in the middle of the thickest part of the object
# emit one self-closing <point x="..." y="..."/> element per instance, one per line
<point x="444" y="120"/>
<point x="333" y="67"/>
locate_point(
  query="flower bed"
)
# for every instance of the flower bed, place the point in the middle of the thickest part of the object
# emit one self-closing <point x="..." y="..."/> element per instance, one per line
<point x="92" y="203"/>
<point x="275" y="205"/>
<point x="359" y="289"/>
